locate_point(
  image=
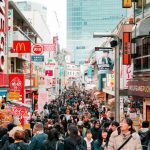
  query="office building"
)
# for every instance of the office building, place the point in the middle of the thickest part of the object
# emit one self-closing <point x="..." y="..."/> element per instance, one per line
<point x="85" y="17"/>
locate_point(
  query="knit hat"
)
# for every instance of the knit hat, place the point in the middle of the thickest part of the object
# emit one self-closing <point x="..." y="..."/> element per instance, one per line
<point x="10" y="126"/>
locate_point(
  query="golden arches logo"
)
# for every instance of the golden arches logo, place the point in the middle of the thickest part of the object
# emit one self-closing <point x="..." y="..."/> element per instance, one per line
<point x="20" y="47"/>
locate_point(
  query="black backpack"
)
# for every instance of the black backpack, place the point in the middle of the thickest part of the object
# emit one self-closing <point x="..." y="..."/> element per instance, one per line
<point x="145" y="138"/>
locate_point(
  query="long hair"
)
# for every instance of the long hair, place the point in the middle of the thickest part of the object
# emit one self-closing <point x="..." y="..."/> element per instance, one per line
<point x="53" y="134"/>
<point x="130" y="123"/>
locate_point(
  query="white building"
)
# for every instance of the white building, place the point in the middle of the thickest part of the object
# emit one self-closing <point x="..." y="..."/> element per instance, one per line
<point x="37" y="16"/>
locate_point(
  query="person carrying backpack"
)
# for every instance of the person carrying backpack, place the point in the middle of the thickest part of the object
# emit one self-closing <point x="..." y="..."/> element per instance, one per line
<point x="74" y="141"/>
<point x="144" y="134"/>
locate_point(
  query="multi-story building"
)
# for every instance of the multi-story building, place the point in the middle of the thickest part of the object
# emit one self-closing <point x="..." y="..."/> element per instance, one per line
<point x="85" y="17"/>
<point x="37" y="16"/>
<point x="139" y="86"/>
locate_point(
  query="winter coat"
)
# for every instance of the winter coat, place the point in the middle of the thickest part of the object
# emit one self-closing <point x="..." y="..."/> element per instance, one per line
<point x="96" y="133"/>
<point x="19" y="146"/>
<point x="51" y="145"/>
<point x="37" y="141"/>
<point x="70" y="143"/>
<point x="116" y="140"/>
<point x="97" y="145"/>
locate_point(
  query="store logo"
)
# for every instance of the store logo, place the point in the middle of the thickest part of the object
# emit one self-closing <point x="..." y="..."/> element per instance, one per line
<point x="21" y="47"/>
<point x="16" y="84"/>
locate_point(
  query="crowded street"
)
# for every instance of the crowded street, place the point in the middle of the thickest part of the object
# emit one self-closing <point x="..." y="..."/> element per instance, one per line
<point x="75" y="75"/>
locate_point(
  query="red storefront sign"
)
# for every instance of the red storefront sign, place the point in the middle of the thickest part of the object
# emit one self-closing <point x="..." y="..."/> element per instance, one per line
<point x="21" y="47"/>
<point x="127" y="47"/>
<point x="3" y="80"/>
<point x="37" y="49"/>
<point x="3" y="18"/>
<point x="19" y="111"/>
<point x="16" y="84"/>
<point x="49" y="73"/>
<point x="54" y="40"/>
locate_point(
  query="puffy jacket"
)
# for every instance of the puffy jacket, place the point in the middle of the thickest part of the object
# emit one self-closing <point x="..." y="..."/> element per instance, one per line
<point x="116" y="140"/>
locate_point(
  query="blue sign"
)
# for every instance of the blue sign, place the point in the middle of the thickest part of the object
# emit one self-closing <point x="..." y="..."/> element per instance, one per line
<point x="90" y="71"/>
<point x="38" y="58"/>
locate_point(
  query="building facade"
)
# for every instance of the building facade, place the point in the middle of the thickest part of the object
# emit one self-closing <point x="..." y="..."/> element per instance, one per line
<point x="85" y="17"/>
<point x="37" y="16"/>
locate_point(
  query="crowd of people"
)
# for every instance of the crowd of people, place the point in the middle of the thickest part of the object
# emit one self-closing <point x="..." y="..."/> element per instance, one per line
<point x="75" y="121"/>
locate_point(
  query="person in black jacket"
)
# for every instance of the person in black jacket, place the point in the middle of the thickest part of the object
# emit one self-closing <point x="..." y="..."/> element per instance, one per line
<point x="53" y="142"/>
<point x="96" y="130"/>
<point x="74" y="141"/>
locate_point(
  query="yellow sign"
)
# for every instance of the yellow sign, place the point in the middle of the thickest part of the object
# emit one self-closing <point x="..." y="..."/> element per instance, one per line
<point x="13" y="95"/>
<point x="126" y="3"/>
<point x="20" y="47"/>
<point x="139" y="3"/>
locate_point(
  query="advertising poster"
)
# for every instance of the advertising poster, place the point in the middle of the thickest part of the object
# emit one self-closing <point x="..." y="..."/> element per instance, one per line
<point x="105" y="60"/>
<point x="16" y="84"/>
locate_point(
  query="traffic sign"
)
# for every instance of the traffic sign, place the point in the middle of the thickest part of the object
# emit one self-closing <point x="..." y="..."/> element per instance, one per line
<point x="37" y="49"/>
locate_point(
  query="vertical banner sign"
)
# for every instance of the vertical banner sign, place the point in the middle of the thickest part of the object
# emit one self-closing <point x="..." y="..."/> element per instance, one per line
<point x="105" y="59"/>
<point x="126" y="3"/>
<point x="16" y="84"/>
<point x="10" y="28"/>
<point x="54" y="40"/>
<point x="3" y="18"/>
<point x="127" y="47"/>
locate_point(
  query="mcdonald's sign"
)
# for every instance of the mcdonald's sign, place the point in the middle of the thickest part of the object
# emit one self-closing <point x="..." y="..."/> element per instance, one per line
<point x="126" y="3"/>
<point x="21" y="47"/>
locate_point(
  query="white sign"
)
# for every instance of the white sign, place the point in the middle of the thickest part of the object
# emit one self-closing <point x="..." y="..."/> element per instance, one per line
<point x="42" y="99"/>
<point x="126" y="73"/>
<point x="10" y="27"/>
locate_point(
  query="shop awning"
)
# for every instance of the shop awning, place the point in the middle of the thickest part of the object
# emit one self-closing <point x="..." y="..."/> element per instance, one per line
<point x="111" y="101"/>
<point x="99" y="94"/>
<point x="141" y="29"/>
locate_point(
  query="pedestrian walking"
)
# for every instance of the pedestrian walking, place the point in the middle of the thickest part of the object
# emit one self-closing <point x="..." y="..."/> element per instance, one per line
<point x="125" y="137"/>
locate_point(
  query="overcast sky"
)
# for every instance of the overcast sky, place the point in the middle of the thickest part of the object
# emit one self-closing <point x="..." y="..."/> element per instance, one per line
<point x="56" y="9"/>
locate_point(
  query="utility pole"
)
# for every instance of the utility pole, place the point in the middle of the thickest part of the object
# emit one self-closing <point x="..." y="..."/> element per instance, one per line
<point x="117" y="71"/>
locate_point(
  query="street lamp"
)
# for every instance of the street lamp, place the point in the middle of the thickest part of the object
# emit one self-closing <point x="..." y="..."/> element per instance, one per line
<point x="117" y="70"/>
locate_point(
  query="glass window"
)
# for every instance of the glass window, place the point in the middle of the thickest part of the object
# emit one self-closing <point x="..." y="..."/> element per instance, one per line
<point x="145" y="63"/>
<point x="137" y="64"/>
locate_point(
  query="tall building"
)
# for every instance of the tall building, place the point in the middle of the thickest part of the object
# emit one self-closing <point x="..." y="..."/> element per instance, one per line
<point x="37" y="16"/>
<point x="85" y="17"/>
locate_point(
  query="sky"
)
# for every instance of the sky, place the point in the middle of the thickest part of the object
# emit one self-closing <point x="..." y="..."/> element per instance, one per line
<point x="56" y="11"/>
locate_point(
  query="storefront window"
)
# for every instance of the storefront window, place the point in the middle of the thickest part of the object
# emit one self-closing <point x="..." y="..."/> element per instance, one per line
<point x="137" y="64"/>
<point x="142" y="61"/>
<point x="145" y="63"/>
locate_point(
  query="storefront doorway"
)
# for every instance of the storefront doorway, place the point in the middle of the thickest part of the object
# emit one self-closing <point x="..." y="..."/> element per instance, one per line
<point x="148" y="113"/>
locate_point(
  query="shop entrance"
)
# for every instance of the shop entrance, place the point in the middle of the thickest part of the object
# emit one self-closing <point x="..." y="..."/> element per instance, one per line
<point x="148" y="113"/>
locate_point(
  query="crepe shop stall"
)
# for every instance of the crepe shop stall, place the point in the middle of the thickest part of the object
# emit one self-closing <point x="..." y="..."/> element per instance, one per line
<point x="20" y="113"/>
